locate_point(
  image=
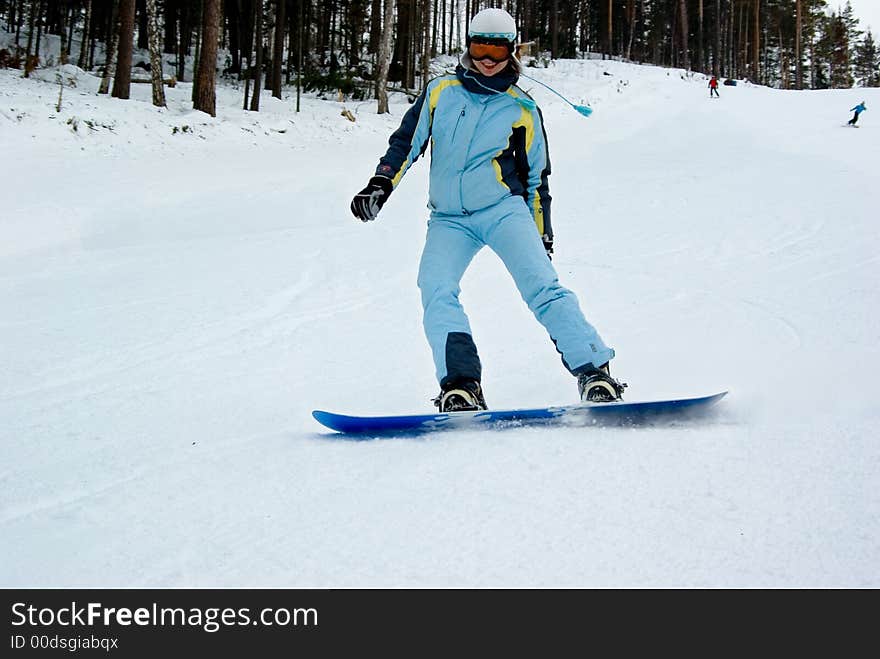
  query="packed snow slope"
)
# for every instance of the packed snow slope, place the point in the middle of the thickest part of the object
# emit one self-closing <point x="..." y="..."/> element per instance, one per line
<point x="180" y="291"/>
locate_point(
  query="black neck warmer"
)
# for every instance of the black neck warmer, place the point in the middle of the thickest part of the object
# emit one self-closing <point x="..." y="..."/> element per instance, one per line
<point x="476" y="82"/>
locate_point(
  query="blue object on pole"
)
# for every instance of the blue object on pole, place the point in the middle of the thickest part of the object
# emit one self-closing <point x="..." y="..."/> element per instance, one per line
<point x="585" y="110"/>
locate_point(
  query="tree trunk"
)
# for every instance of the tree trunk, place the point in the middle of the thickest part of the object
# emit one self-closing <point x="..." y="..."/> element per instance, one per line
<point x="156" y="73"/>
<point x="172" y="11"/>
<point x="39" y="28"/>
<point x="742" y="29"/>
<point x="441" y="19"/>
<point x="701" y="62"/>
<point x="608" y="29"/>
<point x="291" y="44"/>
<point x="278" y="50"/>
<point x="233" y="33"/>
<point x="122" y="80"/>
<point x="426" y="41"/>
<point x="716" y="69"/>
<point x="299" y="54"/>
<point x="110" y="52"/>
<point x="756" y="44"/>
<point x="631" y="20"/>
<point x="452" y="24"/>
<point x="247" y="40"/>
<point x="62" y="31"/>
<point x="35" y="8"/>
<point x="783" y="60"/>
<point x="435" y="16"/>
<point x="72" y="15"/>
<point x="686" y="63"/>
<point x="375" y="26"/>
<point x="183" y="37"/>
<point x="82" y="61"/>
<point x="205" y="95"/>
<point x="143" y="42"/>
<point x="200" y="23"/>
<point x="18" y="21"/>
<point x="385" y="57"/>
<point x="799" y="73"/>
<point x="258" y="48"/>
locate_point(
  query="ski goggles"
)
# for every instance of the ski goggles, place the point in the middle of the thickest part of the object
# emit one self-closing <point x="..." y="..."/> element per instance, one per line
<point x="497" y="52"/>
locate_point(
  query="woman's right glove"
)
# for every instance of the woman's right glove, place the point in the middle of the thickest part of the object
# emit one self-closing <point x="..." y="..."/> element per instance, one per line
<point x="366" y="204"/>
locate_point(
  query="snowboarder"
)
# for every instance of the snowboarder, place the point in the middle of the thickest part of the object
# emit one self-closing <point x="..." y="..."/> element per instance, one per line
<point x="861" y="107"/>
<point x="488" y="186"/>
<point x="713" y="87"/>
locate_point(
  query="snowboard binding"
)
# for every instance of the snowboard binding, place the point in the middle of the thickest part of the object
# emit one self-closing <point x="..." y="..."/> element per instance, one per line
<point x="461" y="396"/>
<point x="596" y="385"/>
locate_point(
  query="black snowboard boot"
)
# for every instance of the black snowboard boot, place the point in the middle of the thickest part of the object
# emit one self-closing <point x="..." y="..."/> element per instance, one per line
<point x="461" y="396"/>
<point x="597" y="386"/>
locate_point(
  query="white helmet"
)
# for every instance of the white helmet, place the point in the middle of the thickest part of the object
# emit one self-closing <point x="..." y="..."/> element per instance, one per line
<point x="493" y="24"/>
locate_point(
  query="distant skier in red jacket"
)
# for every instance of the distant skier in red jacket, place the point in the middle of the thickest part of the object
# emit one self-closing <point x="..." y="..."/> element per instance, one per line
<point x="713" y="87"/>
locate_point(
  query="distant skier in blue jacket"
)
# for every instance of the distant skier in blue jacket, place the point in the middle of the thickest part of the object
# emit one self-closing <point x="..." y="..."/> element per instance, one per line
<point x="488" y="187"/>
<point x="861" y="107"/>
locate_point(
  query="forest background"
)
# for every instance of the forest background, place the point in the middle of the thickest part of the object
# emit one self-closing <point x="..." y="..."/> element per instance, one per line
<point x="365" y="48"/>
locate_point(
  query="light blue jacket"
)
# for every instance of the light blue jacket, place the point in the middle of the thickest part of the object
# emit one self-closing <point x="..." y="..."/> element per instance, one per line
<point x="487" y="143"/>
<point x="859" y="108"/>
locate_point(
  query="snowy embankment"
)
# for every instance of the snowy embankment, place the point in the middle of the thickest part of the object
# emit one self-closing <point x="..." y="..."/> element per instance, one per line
<point x="179" y="291"/>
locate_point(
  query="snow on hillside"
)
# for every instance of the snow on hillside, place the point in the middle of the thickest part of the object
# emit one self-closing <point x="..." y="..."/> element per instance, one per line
<point x="180" y="291"/>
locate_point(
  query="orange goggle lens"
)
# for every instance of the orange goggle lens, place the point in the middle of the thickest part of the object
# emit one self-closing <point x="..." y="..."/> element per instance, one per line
<point x="494" y="52"/>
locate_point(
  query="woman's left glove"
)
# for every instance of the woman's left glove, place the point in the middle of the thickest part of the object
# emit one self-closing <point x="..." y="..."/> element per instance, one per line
<point x="548" y="245"/>
<point x="366" y="204"/>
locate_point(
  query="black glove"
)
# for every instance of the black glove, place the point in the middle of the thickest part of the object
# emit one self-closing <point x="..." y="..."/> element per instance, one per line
<point x="548" y="245"/>
<point x="367" y="202"/>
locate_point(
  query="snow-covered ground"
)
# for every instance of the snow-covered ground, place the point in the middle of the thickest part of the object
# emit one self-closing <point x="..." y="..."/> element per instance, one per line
<point x="178" y="292"/>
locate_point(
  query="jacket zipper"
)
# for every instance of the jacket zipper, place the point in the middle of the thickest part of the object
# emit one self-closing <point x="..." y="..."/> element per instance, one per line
<point x="467" y="157"/>
<point x="457" y="124"/>
<point x="454" y="132"/>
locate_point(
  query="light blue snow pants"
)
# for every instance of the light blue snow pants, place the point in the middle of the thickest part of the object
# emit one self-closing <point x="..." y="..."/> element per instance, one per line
<point x="509" y="230"/>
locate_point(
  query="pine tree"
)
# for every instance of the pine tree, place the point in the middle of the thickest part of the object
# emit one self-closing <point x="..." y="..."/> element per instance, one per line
<point x="82" y="62"/>
<point x="384" y="59"/>
<point x="850" y="26"/>
<point x="122" y="80"/>
<point x="867" y="62"/>
<point x="258" y="49"/>
<point x="831" y="55"/>
<point x="110" y="57"/>
<point x="278" y="48"/>
<point x="205" y="97"/>
<point x="156" y="74"/>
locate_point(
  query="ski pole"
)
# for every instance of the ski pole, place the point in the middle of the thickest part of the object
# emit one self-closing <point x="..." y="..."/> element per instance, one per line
<point x="583" y="109"/>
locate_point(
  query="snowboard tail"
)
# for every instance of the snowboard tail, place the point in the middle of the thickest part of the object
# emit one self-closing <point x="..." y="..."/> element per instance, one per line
<point x="613" y="413"/>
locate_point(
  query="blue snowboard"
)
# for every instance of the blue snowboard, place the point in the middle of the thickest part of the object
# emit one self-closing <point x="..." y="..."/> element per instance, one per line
<point x="619" y="413"/>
